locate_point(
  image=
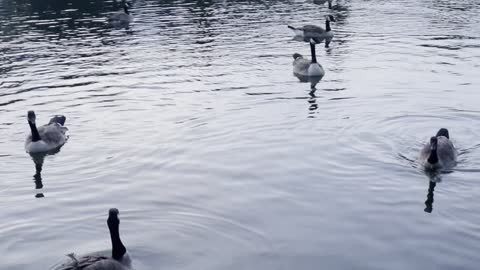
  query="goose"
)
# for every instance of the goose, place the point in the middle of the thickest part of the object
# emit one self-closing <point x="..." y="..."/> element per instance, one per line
<point x="47" y="137"/>
<point x="119" y="260"/>
<point x="121" y="18"/>
<point x="306" y="68"/>
<point x="317" y="33"/>
<point x="322" y="2"/>
<point x="439" y="153"/>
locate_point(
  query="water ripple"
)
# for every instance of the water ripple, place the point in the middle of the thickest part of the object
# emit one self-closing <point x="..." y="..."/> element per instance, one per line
<point x="191" y="122"/>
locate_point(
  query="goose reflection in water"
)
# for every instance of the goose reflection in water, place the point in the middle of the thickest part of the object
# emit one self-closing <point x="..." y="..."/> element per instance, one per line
<point x="434" y="178"/>
<point x="38" y="159"/>
<point x="429" y="201"/>
<point x="312" y="105"/>
<point x="314" y="80"/>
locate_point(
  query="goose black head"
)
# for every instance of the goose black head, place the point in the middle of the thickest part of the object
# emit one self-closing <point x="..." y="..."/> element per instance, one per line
<point x="297" y="55"/>
<point x="113" y="217"/>
<point x="443" y="132"/>
<point x="330" y="18"/>
<point x="31" y="117"/>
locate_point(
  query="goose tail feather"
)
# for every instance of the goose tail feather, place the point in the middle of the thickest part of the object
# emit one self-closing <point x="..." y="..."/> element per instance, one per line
<point x="59" y="119"/>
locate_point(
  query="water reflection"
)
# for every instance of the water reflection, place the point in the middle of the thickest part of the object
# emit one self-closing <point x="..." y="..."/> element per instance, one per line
<point x="224" y="63"/>
<point x="313" y="105"/>
<point x="55" y="7"/>
<point x="434" y="178"/>
<point x="429" y="201"/>
<point x="56" y="20"/>
<point x="38" y="160"/>
<point x="313" y="80"/>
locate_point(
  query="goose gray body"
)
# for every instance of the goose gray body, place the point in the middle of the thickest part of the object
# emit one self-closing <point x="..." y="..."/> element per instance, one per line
<point x="306" y="68"/>
<point x="93" y="262"/>
<point x="53" y="134"/>
<point x="309" y="31"/>
<point x="121" y="18"/>
<point x="117" y="260"/>
<point x="322" y="2"/>
<point x="300" y="65"/>
<point x="50" y="136"/>
<point x="317" y="33"/>
<point x="439" y="153"/>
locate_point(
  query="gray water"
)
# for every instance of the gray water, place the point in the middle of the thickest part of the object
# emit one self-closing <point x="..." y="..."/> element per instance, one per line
<point x="192" y="124"/>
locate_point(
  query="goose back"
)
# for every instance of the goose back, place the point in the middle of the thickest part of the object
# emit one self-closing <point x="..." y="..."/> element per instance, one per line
<point x="305" y="68"/>
<point x="445" y="151"/>
<point x="300" y="66"/>
<point x="48" y="137"/>
<point x="121" y="17"/>
<point x="95" y="261"/>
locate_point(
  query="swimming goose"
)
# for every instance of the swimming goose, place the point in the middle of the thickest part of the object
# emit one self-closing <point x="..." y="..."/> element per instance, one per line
<point x="46" y="137"/>
<point x="439" y="153"/>
<point x="305" y="67"/>
<point x="119" y="260"/>
<point x="322" y="2"/>
<point x="317" y="33"/>
<point x="121" y="18"/>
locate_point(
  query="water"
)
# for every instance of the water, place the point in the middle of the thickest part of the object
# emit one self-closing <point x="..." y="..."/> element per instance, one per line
<point x="192" y="124"/>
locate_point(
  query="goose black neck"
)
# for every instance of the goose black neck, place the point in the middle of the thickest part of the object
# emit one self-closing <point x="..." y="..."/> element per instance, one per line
<point x="35" y="135"/>
<point x="433" y="158"/>
<point x="327" y="25"/>
<point x="314" y="55"/>
<point x="329" y="4"/>
<point x="118" y="249"/>
<point x="125" y="8"/>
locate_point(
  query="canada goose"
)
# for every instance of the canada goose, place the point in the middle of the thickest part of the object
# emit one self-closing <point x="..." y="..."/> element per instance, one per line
<point x="317" y="33"/>
<point x="322" y="2"/>
<point x="122" y="17"/>
<point x="46" y="137"/>
<point x="439" y="153"/>
<point x="305" y="67"/>
<point x="120" y="260"/>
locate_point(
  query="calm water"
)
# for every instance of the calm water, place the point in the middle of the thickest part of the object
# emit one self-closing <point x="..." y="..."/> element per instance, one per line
<point x="192" y="124"/>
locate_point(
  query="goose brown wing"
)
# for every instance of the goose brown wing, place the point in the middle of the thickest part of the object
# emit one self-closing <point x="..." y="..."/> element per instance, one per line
<point x="313" y="29"/>
<point x="81" y="263"/>
<point x="53" y="133"/>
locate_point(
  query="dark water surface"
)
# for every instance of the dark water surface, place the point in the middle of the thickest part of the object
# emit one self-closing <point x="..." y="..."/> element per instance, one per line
<point x="192" y="124"/>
